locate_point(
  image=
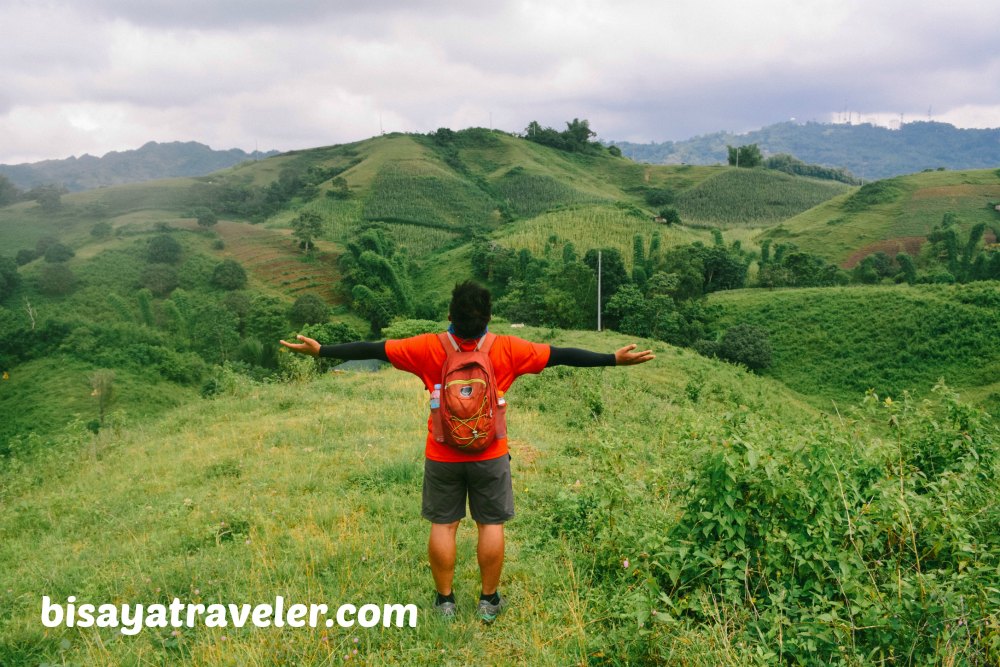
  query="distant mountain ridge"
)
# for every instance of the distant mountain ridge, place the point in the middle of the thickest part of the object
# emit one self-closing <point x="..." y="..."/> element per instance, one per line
<point x="868" y="151"/>
<point x="150" y="162"/>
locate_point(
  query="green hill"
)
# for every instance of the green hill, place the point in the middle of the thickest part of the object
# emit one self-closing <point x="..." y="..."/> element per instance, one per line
<point x="893" y="215"/>
<point x="868" y="151"/>
<point x="628" y="482"/>
<point x="835" y="343"/>
<point x="682" y="512"/>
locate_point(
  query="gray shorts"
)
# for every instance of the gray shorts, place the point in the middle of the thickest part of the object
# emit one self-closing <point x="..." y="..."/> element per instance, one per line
<point x="486" y="484"/>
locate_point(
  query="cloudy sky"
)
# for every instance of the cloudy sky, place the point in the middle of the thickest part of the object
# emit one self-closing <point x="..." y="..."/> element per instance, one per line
<point x="99" y="75"/>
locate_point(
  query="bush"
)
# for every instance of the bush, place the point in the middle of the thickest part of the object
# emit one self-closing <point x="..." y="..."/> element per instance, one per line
<point x="26" y="255"/>
<point x="308" y="309"/>
<point x="406" y="328"/>
<point x="746" y="344"/>
<point x="57" y="252"/>
<point x="206" y="217"/>
<point x="9" y="277"/>
<point x="161" y="279"/>
<point x="56" y="280"/>
<point x="101" y="230"/>
<point x="163" y="249"/>
<point x="330" y="333"/>
<point x="229" y="275"/>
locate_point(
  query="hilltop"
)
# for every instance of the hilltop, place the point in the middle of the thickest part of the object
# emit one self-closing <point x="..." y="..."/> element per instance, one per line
<point x="894" y="215"/>
<point x="868" y="151"/>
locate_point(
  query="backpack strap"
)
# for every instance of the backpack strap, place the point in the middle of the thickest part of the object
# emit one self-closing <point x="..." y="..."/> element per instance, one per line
<point x="451" y="345"/>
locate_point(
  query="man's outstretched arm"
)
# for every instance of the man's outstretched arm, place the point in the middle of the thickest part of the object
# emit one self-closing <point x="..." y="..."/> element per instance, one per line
<point x="571" y="356"/>
<point x="346" y="351"/>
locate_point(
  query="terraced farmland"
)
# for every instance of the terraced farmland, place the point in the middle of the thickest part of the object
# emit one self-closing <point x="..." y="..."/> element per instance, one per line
<point x="271" y="257"/>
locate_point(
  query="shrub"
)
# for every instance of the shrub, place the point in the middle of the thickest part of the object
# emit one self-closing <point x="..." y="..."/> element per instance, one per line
<point x="163" y="249"/>
<point x="56" y="280"/>
<point x="161" y="279"/>
<point x="26" y="255"/>
<point x="57" y="252"/>
<point x="9" y="277"/>
<point x="308" y="309"/>
<point x="101" y="230"/>
<point x="746" y="344"/>
<point x="229" y="275"/>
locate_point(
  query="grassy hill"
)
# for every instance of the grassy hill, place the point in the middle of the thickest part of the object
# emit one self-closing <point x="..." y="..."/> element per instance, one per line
<point x="892" y="215"/>
<point x="833" y="344"/>
<point x="682" y="512"/>
<point x="310" y="490"/>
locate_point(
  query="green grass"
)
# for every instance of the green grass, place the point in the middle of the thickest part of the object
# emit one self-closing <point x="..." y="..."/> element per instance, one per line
<point x="311" y="490"/>
<point x="844" y="227"/>
<point x="322" y="502"/>
<point x="835" y="343"/>
<point x="752" y="197"/>
<point x="403" y="193"/>
<point x="591" y="227"/>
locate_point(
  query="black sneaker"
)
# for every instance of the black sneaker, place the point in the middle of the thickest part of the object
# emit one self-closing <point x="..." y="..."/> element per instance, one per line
<point x="488" y="612"/>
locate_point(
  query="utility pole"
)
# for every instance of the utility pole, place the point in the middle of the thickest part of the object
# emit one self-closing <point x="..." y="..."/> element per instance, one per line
<point x="598" y="290"/>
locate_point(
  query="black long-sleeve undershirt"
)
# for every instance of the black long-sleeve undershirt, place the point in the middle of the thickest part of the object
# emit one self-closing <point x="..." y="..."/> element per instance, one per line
<point x="355" y="351"/>
<point x="558" y="356"/>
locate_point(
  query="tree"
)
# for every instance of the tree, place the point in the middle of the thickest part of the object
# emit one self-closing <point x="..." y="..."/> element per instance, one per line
<point x="163" y="249"/>
<point x="49" y="197"/>
<point x="670" y="216"/>
<point x="229" y="275"/>
<point x="25" y="255"/>
<point x="101" y="230"/>
<point x="9" y="277"/>
<point x="206" y="217"/>
<point x="306" y="227"/>
<point x="56" y="280"/>
<point x="907" y="269"/>
<point x="8" y="191"/>
<point x="745" y="156"/>
<point x="57" y="252"/>
<point x="613" y="271"/>
<point x="160" y="279"/>
<point x="746" y="344"/>
<point x="308" y="309"/>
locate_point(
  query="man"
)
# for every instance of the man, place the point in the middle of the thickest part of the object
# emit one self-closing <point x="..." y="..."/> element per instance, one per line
<point x="451" y="475"/>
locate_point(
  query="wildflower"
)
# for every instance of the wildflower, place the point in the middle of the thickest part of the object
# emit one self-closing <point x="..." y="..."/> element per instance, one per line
<point x="354" y="652"/>
<point x="223" y="638"/>
<point x="625" y="563"/>
<point x="356" y="640"/>
<point x="176" y="633"/>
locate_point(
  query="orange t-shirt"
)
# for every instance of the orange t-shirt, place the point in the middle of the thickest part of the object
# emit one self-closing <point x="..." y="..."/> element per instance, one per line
<point x="424" y="357"/>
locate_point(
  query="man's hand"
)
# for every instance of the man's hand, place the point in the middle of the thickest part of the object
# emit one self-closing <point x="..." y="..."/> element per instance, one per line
<point x="307" y="346"/>
<point x="626" y="357"/>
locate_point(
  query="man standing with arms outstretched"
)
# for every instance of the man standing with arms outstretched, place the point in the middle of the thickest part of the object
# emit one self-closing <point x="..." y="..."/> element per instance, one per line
<point x="450" y="474"/>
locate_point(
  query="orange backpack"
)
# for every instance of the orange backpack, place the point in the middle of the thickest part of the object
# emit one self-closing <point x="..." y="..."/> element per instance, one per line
<point x="472" y="412"/>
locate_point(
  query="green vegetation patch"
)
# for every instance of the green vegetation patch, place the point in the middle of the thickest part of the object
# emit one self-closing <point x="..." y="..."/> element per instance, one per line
<point x="401" y="194"/>
<point x="836" y="343"/>
<point x="530" y="194"/>
<point x="753" y="197"/>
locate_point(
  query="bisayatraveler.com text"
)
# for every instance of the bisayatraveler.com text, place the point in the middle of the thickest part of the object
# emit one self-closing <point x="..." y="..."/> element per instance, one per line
<point x="130" y="619"/>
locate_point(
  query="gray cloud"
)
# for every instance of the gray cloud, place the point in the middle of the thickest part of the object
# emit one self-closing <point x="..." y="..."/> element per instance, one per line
<point x="111" y="74"/>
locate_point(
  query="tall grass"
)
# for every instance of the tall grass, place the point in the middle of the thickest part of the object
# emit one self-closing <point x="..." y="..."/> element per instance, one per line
<point x="754" y="197"/>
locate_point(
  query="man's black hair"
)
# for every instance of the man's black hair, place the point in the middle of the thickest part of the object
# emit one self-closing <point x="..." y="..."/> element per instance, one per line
<point x="471" y="309"/>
